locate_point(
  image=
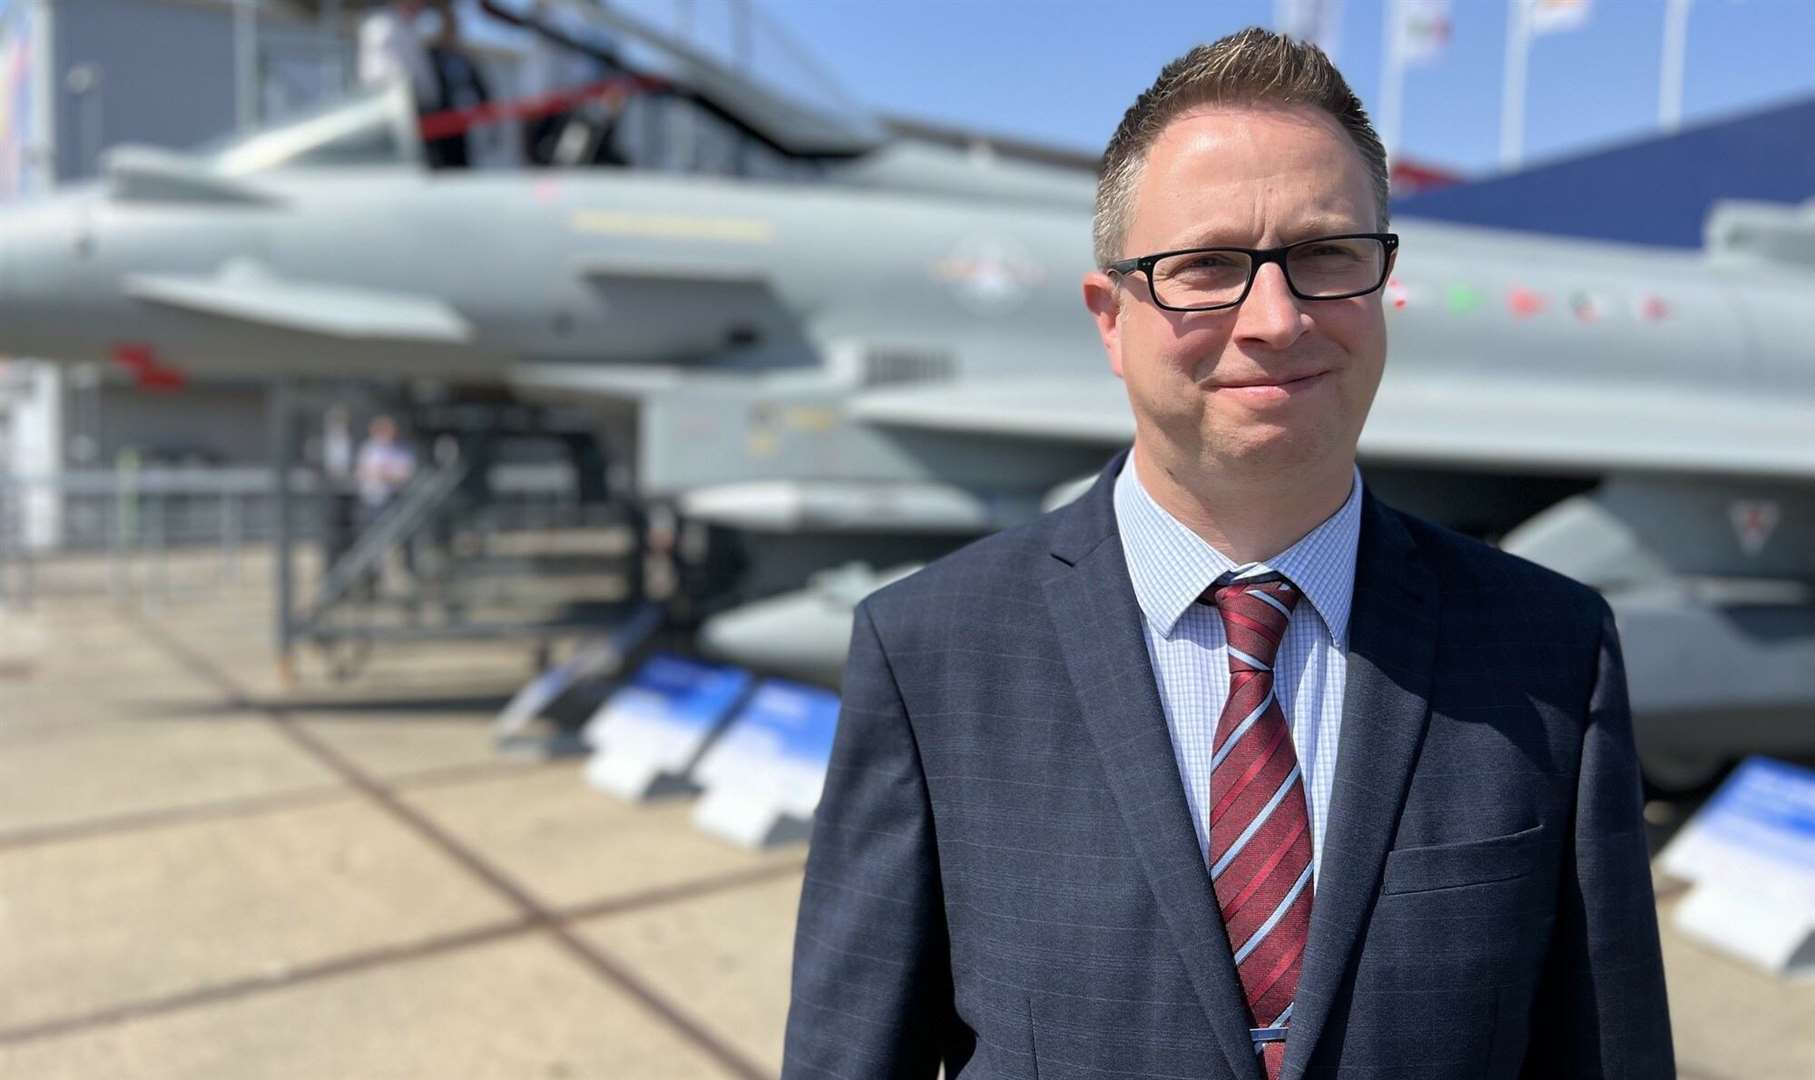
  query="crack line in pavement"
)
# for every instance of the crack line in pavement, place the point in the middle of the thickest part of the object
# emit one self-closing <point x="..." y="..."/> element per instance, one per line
<point x="603" y="965"/>
<point x="391" y="954"/>
<point x="117" y="824"/>
<point x="246" y="806"/>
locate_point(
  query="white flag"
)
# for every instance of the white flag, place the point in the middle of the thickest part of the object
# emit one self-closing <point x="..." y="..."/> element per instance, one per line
<point x="1423" y="29"/>
<point x="1316" y="21"/>
<point x="1546" y="16"/>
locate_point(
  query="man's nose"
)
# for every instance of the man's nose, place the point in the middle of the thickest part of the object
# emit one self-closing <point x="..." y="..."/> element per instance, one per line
<point x="1270" y="314"/>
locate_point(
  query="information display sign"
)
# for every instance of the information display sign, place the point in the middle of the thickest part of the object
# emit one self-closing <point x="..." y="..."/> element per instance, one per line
<point x="650" y="732"/>
<point x="764" y="776"/>
<point x="1750" y="853"/>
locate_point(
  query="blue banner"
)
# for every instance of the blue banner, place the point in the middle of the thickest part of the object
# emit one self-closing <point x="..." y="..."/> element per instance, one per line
<point x="681" y="692"/>
<point x="800" y="719"/>
<point x="1768" y="806"/>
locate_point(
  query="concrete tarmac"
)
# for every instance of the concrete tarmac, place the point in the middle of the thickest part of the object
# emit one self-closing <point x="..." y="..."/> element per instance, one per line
<point x="207" y="873"/>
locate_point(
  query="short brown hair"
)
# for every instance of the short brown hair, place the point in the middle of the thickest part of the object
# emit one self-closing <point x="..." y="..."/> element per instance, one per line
<point x="1254" y="67"/>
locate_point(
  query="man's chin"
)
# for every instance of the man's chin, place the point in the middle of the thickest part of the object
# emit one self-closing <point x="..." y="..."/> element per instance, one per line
<point x="1269" y="449"/>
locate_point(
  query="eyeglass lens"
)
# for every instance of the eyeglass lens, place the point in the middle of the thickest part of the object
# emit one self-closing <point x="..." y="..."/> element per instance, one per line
<point x="1317" y="268"/>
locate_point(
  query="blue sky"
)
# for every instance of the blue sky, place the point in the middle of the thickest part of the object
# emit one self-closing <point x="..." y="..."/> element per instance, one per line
<point x="1062" y="71"/>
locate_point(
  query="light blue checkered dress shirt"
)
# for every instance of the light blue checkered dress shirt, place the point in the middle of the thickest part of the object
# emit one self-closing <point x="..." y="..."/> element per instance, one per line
<point x="1171" y="566"/>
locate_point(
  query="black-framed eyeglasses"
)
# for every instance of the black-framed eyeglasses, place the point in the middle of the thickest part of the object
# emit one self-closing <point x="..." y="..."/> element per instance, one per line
<point x="1212" y="278"/>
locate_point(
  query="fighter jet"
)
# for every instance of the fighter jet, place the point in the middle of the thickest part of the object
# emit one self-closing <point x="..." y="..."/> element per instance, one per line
<point x="324" y="247"/>
<point x="858" y="346"/>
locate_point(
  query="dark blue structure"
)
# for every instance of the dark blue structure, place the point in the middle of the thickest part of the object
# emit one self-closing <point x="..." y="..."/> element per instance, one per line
<point x="1656" y="192"/>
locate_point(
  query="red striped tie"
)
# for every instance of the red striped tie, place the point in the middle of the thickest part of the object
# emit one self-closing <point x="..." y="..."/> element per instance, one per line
<point x="1260" y="833"/>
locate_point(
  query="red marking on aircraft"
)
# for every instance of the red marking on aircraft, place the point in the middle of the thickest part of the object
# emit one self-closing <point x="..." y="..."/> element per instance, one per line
<point x="1524" y="303"/>
<point x="1753" y="521"/>
<point x="141" y="362"/>
<point x="440" y="125"/>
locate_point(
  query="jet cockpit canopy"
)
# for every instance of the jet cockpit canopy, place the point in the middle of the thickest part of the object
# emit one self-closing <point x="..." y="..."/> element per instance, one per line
<point x="374" y="127"/>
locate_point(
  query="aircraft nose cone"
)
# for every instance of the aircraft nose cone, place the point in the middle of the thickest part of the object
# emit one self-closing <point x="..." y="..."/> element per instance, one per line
<point x="39" y="243"/>
<point x="10" y="291"/>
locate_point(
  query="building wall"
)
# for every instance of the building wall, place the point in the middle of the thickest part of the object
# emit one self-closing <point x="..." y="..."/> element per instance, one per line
<point x="144" y="71"/>
<point x="108" y="72"/>
<point x="207" y="423"/>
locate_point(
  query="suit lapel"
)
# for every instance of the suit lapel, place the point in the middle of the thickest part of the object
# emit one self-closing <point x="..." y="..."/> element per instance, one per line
<point x="1100" y="633"/>
<point x="1392" y="647"/>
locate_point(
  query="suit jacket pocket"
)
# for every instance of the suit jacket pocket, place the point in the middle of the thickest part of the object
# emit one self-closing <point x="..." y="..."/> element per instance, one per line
<point x="1472" y="862"/>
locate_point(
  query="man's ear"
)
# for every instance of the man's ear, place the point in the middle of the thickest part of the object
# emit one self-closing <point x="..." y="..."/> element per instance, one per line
<point x="1104" y="299"/>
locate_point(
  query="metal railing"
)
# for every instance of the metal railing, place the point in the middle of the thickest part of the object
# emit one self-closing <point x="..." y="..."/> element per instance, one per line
<point x="157" y="533"/>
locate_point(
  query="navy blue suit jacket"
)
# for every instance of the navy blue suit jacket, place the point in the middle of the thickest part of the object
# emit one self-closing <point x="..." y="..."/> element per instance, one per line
<point x="1004" y="879"/>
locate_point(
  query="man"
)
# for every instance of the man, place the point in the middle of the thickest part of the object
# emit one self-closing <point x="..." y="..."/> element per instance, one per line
<point x="383" y="467"/>
<point x="391" y="49"/>
<point x="1228" y="770"/>
<point x="381" y="470"/>
<point x="463" y="86"/>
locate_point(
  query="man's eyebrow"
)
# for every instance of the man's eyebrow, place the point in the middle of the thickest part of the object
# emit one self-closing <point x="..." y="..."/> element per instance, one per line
<point x="1305" y="229"/>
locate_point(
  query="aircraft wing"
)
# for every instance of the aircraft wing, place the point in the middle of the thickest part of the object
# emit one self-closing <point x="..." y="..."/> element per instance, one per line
<point x="1522" y="425"/>
<point x="1526" y="423"/>
<point x="1092" y="410"/>
<point x="335" y="311"/>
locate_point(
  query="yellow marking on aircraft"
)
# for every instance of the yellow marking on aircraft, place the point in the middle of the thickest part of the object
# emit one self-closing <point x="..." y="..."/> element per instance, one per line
<point x="735" y="230"/>
<point x="806" y="418"/>
<point x="762" y="444"/>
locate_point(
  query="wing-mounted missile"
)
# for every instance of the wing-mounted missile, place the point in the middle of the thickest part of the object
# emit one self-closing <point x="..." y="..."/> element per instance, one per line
<point x="147" y="174"/>
<point x="802" y="634"/>
<point x="1715" y="668"/>
<point x="832" y="506"/>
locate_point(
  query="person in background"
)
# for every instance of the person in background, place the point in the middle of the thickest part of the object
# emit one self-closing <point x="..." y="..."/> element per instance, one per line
<point x="340" y="498"/>
<point x="391" y="49"/>
<point x="460" y="84"/>
<point x="381" y="471"/>
<point x="384" y="466"/>
<point x="563" y="58"/>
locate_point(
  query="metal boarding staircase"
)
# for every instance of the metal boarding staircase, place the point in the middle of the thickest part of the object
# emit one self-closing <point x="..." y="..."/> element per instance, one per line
<point x="421" y="500"/>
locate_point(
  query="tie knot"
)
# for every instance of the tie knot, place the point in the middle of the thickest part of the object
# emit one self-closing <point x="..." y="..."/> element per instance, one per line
<point x="1255" y="612"/>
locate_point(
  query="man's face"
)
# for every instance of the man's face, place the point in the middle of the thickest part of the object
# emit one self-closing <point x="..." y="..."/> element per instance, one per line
<point x="1276" y="383"/>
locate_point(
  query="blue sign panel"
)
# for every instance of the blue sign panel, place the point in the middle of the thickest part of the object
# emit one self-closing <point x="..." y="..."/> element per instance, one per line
<point x="1769" y="807"/>
<point x="776" y="748"/>
<point x="664" y="713"/>
<point x="682" y="692"/>
<point x="799" y="720"/>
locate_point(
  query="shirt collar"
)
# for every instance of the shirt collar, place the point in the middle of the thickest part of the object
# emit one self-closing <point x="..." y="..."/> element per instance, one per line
<point x="1171" y="566"/>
